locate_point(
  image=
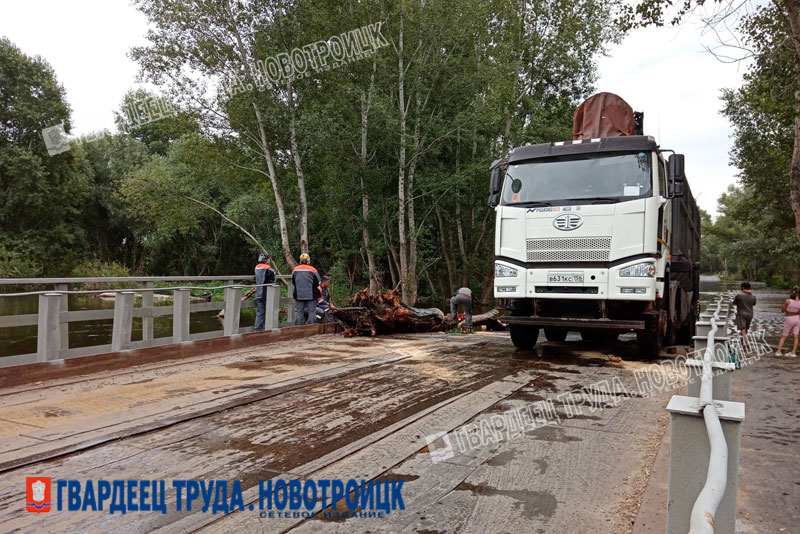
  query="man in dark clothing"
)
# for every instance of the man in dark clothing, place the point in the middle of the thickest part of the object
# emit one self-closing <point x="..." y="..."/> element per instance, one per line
<point x="324" y="302"/>
<point x="306" y="291"/>
<point x="464" y="299"/>
<point x="264" y="275"/>
<point x="744" y="303"/>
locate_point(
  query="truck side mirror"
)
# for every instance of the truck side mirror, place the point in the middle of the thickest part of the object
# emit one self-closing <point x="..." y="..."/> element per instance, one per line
<point x="676" y="174"/>
<point x="495" y="186"/>
<point x="676" y="169"/>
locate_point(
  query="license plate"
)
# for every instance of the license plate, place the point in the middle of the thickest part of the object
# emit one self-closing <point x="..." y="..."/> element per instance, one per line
<point x="569" y="278"/>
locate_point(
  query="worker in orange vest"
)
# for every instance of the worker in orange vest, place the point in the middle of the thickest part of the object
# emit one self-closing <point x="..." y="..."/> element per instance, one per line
<point x="305" y="279"/>
<point x="264" y="275"/>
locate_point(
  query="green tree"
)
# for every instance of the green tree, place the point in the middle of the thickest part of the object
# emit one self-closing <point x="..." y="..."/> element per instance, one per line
<point x="770" y="36"/>
<point x="41" y="197"/>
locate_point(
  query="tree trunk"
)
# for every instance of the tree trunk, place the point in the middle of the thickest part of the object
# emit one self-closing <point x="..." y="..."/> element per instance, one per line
<point x="487" y="291"/>
<point x="264" y="145"/>
<point x="411" y="297"/>
<point x="301" y="182"/>
<point x="451" y="273"/>
<point x="366" y="101"/>
<point x="401" y="183"/>
<point x="394" y="261"/>
<point x="385" y="313"/>
<point x="287" y="249"/>
<point x="793" y="16"/>
<point x="461" y="247"/>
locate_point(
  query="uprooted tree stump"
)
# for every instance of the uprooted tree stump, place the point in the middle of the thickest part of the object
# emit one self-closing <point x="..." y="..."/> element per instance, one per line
<point x="385" y="313"/>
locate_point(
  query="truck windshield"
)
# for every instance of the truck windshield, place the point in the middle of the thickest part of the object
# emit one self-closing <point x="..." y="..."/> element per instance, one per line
<point x="599" y="178"/>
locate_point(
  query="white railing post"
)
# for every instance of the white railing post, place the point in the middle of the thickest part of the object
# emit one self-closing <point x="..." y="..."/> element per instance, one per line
<point x="290" y="309"/>
<point x="180" y="315"/>
<point x="123" y="321"/>
<point x="148" y="333"/>
<point x="272" y="306"/>
<point x="233" y="308"/>
<point x="48" y="338"/>
<point x="63" y="326"/>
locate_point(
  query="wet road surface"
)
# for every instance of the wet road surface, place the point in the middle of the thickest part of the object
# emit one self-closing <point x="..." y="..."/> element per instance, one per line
<point x="330" y="407"/>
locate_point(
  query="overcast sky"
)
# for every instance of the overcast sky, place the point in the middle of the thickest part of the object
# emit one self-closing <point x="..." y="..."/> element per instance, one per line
<point x="663" y="72"/>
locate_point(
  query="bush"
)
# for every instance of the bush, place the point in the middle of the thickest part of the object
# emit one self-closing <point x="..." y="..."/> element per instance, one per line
<point x="14" y="264"/>
<point x="99" y="269"/>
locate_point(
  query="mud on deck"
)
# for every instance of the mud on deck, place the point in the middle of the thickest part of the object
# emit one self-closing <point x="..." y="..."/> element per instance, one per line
<point x="330" y="407"/>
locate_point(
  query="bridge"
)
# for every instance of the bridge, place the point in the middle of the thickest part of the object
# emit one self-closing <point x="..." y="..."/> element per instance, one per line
<point x="53" y="316"/>
<point x="305" y="403"/>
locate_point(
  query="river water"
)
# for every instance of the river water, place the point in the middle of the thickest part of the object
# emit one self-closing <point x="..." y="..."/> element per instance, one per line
<point x="22" y="340"/>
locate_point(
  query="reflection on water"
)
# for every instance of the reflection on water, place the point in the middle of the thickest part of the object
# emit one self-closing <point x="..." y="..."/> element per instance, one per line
<point x="22" y="340"/>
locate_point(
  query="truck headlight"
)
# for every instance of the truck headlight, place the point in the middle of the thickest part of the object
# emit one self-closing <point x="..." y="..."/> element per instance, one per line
<point x="640" y="270"/>
<point x="502" y="271"/>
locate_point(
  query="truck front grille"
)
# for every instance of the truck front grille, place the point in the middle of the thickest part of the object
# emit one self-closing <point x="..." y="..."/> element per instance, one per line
<point x="568" y="249"/>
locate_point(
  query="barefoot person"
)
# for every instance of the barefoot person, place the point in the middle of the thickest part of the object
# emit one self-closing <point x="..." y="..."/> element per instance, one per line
<point x="744" y="303"/>
<point x="791" y="307"/>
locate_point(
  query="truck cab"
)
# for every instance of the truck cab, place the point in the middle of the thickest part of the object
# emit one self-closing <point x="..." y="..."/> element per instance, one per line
<point x="597" y="235"/>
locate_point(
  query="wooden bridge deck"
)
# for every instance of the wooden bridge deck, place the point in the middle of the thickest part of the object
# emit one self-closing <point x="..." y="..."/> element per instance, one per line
<point x="331" y="407"/>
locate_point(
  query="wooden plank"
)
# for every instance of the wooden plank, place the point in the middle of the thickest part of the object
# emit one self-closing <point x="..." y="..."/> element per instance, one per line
<point x="206" y="335"/>
<point x="545" y="480"/>
<point x="243" y="443"/>
<point x="11" y="321"/>
<point x="372" y="461"/>
<point x="86" y="351"/>
<point x="86" y="315"/>
<point x="206" y="306"/>
<point x="17" y="359"/>
<point x="160" y="350"/>
<point x="68" y="438"/>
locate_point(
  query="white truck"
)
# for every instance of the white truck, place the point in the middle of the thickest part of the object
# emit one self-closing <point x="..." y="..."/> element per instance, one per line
<point x="599" y="235"/>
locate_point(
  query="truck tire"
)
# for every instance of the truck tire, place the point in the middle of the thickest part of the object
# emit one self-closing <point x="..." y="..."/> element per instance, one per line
<point x="555" y="334"/>
<point x="649" y="339"/>
<point x="523" y="336"/>
<point x="688" y="329"/>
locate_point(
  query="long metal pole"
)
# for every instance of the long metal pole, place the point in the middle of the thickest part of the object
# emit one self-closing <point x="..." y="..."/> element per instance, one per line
<point x="705" y="507"/>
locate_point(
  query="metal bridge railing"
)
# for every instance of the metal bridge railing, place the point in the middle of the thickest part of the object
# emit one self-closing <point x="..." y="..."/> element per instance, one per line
<point x="53" y="316"/>
<point x="705" y="434"/>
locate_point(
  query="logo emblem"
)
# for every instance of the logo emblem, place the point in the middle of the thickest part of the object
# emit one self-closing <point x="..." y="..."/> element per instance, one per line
<point x="37" y="494"/>
<point x="439" y="447"/>
<point x="568" y="221"/>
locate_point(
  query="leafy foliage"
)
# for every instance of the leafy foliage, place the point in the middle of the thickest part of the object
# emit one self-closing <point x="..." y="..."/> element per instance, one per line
<point x="755" y="237"/>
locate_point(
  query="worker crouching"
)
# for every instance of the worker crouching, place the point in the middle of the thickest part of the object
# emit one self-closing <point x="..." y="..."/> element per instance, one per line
<point x="462" y="298"/>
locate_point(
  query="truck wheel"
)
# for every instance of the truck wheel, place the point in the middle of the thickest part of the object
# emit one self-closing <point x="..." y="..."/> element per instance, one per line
<point x="555" y="334"/>
<point x="523" y="336"/>
<point x="649" y="339"/>
<point x="595" y="335"/>
<point x="686" y="330"/>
